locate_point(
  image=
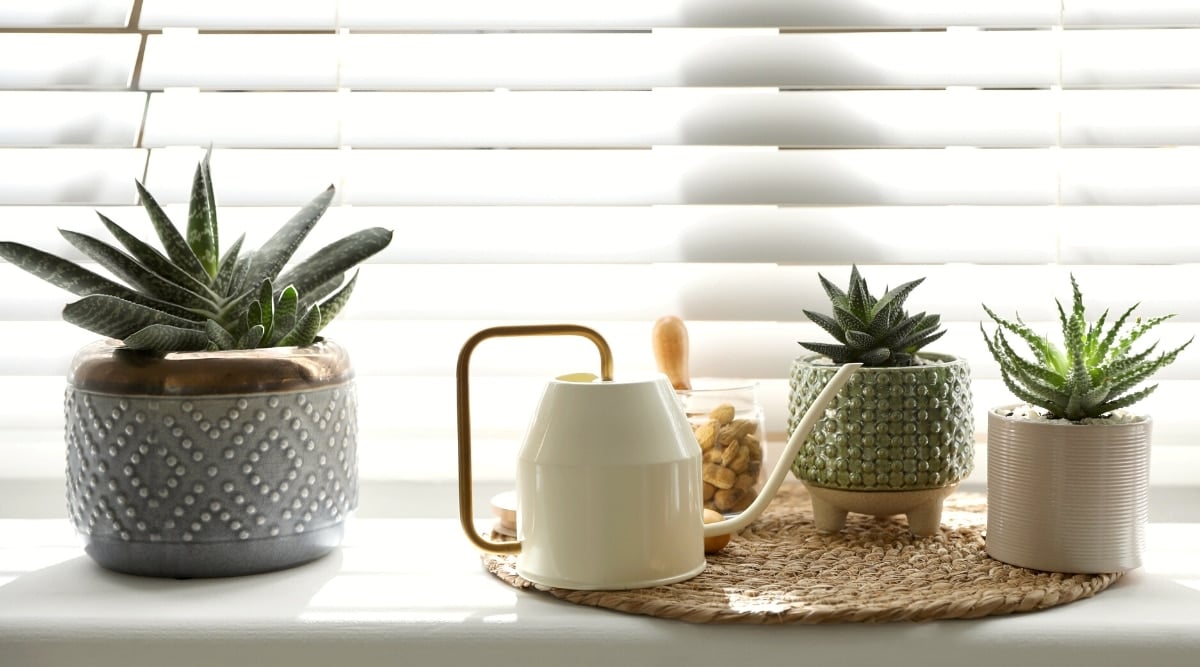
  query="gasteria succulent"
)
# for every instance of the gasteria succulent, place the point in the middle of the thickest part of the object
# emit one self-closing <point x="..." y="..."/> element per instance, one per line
<point x="1093" y="376"/>
<point x="194" y="298"/>
<point x="875" y="332"/>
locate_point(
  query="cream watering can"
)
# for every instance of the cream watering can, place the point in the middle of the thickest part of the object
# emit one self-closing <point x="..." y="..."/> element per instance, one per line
<point x="609" y="490"/>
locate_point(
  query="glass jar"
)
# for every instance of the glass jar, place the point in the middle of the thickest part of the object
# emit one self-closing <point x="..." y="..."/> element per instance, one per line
<point x="729" y="425"/>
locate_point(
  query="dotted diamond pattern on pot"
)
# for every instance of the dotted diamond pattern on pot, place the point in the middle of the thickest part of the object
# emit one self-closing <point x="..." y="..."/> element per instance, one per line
<point x="888" y="429"/>
<point x="210" y="469"/>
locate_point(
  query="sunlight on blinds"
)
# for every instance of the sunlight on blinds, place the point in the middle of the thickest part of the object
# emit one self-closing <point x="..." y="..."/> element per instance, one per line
<point x="611" y="162"/>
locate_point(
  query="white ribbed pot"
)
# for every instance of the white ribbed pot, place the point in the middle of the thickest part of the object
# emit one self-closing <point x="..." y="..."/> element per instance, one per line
<point x="1066" y="497"/>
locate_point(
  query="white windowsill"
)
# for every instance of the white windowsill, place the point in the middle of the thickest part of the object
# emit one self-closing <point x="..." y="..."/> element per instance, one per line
<point x="412" y="591"/>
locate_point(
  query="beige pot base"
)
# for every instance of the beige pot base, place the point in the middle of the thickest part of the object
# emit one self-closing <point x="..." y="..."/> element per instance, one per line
<point x="923" y="507"/>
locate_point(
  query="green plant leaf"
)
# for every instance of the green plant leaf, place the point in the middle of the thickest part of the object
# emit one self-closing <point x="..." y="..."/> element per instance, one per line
<point x="177" y="248"/>
<point x="202" y="218"/>
<point x="1121" y="402"/>
<point x="334" y="304"/>
<point x="305" y="330"/>
<point x="126" y="268"/>
<point x="335" y="258"/>
<point x="266" y="311"/>
<point x="155" y="261"/>
<point x="76" y="279"/>
<point x="275" y="253"/>
<point x="285" y="314"/>
<point x="117" y="318"/>
<point x="827" y="323"/>
<point x="895" y="298"/>
<point x="166" y="338"/>
<point x="836" y="295"/>
<point x="225" y="270"/>
<point x="836" y="353"/>
<point x="252" y="338"/>
<point x="858" y="294"/>
<point x="221" y="339"/>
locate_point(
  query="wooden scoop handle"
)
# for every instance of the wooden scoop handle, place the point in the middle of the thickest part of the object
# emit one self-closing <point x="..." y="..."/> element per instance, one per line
<point x="670" y="341"/>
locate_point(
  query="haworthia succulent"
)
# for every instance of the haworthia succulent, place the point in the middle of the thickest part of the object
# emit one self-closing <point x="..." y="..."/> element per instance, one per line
<point x="189" y="296"/>
<point x="874" y="332"/>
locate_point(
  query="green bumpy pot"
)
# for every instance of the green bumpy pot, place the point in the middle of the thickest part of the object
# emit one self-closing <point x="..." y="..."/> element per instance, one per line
<point x="888" y="429"/>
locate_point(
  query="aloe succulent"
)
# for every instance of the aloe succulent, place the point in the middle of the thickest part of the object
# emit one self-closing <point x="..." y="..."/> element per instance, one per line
<point x="1093" y="376"/>
<point x="195" y="298"/>
<point x="875" y="332"/>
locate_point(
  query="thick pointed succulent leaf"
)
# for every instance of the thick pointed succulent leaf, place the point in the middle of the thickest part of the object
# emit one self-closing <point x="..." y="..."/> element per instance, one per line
<point x="838" y="354"/>
<point x="252" y="338"/>
<point x="173" y="242"/>
<point x="129" y="270"/>
<point x="334" y="304"/>
<point x="76" y="279"/>
<point x="254" y="315"/>
<point x="313" y="296"/>
<point x="858" y="294"/>
<point x="335" y="258"/>
<point x="845" y="320"/>
<point x="166" y="338"/>
<point x="117" y="318"/>
<point x="202" y="233"/>
<point x="285" y="315"/>
<point x="266" y="310"/>
<point x="305" y="331"/>
<point x="835" y="293"/>
<point x="894" y="298"/>
<point x="225" y="270"/>
<point x="858" y="340"/>
<point x="154" y="260"/>
<point x="278" y="250"/>
<point x="218" y="336"/>
<point x="829" y="324"/>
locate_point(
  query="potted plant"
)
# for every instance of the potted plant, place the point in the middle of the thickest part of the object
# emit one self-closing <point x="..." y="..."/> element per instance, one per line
<point x="900" y="435"/>
<point x="213" y="432"/>
<point x="1068" y="471"/>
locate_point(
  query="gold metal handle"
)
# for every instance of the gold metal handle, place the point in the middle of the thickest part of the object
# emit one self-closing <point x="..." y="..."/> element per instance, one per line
<point x="465" y="501"/>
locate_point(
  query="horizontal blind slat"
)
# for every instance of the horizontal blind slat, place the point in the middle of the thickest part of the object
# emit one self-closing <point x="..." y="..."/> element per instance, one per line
<point x="1122" y="13"/>
<point x="593" y="15"/>
<point x="65" y="13"/>
<point x="71" y="118"/>
<point x="74" y="61"/>
<point x="600" y="61"/>
<point x="70" y="175"/>
<point x="717" y="292"/>
<point x="1075" y="235"/>
<point x="602" y="177"/>
<point x="1131" y="58"/>
<point x="565" y="119"/>
<point x="611" y="119"/>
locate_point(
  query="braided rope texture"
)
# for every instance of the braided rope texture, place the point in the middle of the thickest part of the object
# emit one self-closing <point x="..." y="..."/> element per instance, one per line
<point x="781" y="570"/>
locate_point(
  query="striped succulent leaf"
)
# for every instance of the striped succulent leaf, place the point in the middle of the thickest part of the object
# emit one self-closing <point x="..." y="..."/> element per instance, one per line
<point x="874" y="332"/>
<point x="190" y="296"/>
<point x="1092" y="374"/>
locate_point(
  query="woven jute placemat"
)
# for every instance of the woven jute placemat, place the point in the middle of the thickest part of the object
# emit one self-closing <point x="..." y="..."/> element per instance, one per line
<point x="781" y="570"/>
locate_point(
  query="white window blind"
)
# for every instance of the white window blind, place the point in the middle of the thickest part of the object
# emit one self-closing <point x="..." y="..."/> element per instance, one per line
<point x="610" y="162"/>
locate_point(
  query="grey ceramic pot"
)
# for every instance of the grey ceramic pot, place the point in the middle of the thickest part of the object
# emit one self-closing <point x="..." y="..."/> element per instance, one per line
<point x="894" y="440"/>
<point x="208" y="464"/>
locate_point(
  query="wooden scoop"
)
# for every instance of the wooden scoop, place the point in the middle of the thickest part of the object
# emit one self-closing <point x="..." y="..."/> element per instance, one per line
<point x="670" y="341"/>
